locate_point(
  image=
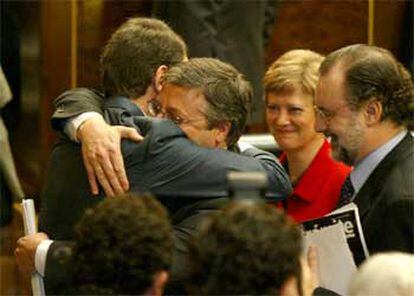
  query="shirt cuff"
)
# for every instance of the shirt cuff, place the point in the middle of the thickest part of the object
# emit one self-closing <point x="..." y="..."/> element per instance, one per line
<point x="73" y="124"/>
<point x="40" y="256"/>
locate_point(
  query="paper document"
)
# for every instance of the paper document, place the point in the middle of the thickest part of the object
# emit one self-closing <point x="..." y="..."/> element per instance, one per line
<point x="341" y="245"/>
<point x="29" y="220"/>
<point x="349" y="216"/>
<point x="336" y="264"/>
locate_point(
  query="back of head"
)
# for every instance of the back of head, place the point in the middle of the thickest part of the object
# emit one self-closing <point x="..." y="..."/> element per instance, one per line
<point x="227" y="92"/>
<point x="133" y="54"/>
<point x="295" y="70"/>
<point x="245" y="249"/>
<point x="385" y="274"/>
<point x="374" y="73"/>
<point x="121" y="244"/>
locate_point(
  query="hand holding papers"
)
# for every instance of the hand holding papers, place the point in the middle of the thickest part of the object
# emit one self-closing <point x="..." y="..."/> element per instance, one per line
<point x="340" y="243"/>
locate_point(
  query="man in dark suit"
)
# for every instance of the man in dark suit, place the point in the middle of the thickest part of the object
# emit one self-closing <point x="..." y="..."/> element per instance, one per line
<point x="365" y="103"/>
<point x="166" y="162"/>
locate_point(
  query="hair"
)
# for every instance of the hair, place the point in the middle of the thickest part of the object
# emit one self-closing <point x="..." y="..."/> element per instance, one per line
<point x="245" y="249"/>
<point x="294" y="70"/>
<point x="227" y="92"/>
<point x="373" y="72"/>
<point x="133" y="54"/>
<point x="390" y="273"/>
<point x="121" y="244"/>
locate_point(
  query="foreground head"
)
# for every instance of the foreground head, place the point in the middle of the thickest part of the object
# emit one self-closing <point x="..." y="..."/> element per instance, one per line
<point x="208" y="99"/>
<point x="136" y="56"/>
<point x="246" y="249"/>
<point x="290" y="84"/>
<point x="362" y="90"/>
<point x="124" y="245"/>
<point x="389" y="273"/>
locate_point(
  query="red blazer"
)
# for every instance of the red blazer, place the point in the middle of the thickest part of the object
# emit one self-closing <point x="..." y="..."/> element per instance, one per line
<point x="318" y="190"/>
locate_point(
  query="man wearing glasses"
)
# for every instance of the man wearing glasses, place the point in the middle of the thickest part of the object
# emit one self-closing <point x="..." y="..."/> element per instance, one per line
<point x="190" y="180"/>
<point x="365" y="104"/>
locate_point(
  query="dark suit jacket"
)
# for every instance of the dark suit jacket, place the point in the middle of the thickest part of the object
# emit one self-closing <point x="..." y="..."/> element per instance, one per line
<point x="185" y="177"/>
<point x="165" y="163"/>
<point x="386" y="201"/>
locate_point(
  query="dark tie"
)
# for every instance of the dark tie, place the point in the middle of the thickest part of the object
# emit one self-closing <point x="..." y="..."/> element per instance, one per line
<point x="347" y="191"/>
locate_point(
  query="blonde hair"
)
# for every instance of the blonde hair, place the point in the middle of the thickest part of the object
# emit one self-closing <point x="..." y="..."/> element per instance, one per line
<point x="295" y="70"/>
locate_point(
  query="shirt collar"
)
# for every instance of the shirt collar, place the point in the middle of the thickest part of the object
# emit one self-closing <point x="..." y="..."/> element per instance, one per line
<point x="366" y="166"/>
<point x="308" y="188"/>
<point x="123" y="103"/>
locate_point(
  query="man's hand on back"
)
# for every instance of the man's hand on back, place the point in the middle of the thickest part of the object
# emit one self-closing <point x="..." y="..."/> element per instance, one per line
<point x="101" y="151"/>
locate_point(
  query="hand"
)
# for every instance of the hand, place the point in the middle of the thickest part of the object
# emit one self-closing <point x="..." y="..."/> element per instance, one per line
<point x="101" y="151"/>
<point x="26" y="250"/>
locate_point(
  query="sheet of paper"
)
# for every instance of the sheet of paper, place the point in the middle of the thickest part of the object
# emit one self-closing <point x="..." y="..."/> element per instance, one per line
<point x="336" y="263"/>
<point x="29" y="220"/>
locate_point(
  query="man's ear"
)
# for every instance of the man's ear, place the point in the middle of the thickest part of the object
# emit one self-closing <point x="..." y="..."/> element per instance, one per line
<point x="373" y="112"/>
<point x="222" y="131"/>
<point x="159" y="77"/>
<point x="160" y="279"/>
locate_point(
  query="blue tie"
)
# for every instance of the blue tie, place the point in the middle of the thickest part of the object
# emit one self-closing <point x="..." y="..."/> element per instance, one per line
<point x="347" y="191"/>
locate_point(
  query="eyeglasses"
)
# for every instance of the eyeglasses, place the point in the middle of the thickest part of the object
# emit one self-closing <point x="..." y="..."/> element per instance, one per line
<point x="154" y="108"/>
<point x="325" y="114"/>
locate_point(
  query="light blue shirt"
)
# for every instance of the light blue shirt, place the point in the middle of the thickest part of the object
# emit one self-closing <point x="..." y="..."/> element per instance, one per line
<point x="366" y="166"/>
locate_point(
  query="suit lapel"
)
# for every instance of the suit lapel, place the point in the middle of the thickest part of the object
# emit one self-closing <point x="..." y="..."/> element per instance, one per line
<point x="369" y="192"/>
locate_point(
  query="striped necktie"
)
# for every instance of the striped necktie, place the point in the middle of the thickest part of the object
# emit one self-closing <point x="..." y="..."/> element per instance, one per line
<point x="347" y="191"/>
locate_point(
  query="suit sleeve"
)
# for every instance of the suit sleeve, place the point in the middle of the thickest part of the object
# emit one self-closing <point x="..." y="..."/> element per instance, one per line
<point x="75" y="102"/>
<point x="280" y="186"/>
<point x="174" y="166"/>
<point x="59" y="269"/>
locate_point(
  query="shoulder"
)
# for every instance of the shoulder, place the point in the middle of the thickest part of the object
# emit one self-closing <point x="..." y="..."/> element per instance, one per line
<point x="82" y="93"/>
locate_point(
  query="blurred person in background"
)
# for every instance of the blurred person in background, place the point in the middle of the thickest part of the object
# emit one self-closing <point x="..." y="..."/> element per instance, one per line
<point x="384" y="273"/>
<point x="250" y="249"/>
<point x="10" y="188"/>
<point x="290" y="84"/>
<point x="236" y="32"/>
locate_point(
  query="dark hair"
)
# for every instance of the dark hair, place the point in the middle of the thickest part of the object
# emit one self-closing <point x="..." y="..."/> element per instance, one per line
<point x="133" y="54"/>
<point x="121" y="244"/>
<point x="245" y="249"/>
<point x="227" y="92"/>
<point x="373" y="72"/>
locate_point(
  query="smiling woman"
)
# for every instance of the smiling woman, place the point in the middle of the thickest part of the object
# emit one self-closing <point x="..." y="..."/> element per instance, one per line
<point x="290" y="85"/>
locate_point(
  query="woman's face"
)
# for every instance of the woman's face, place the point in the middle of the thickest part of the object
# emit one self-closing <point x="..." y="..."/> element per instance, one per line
<point x="291" y="118"/>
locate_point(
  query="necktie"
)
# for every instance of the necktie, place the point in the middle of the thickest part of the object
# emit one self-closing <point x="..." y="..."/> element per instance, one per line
<point x="347" y="191"/>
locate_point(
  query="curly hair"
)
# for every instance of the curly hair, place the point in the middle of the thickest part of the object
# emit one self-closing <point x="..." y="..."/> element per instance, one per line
<point x="294" y="70"/>
<point x="121" y="244"/>
<point x="374" y="73"/>
<point x="227" y="92"/>
<point x="133" y="54"/>
<point x="245" y="249"/>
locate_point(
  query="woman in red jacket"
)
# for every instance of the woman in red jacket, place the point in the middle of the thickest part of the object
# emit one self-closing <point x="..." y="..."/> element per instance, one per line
<point x="290" y="85"/>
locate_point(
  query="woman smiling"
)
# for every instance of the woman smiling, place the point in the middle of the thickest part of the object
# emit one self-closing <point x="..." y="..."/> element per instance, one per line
<point x="290" y="84"/>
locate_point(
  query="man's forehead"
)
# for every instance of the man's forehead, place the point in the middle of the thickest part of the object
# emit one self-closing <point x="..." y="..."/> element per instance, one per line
<point x="178" y="92"/>
<point x="331" y="86"/>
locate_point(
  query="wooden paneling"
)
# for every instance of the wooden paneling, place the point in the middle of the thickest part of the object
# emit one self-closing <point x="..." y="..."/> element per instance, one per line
<point x="388" y="25"/>
<point x="55" y="64"/>
<point x="318" y="25"/>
